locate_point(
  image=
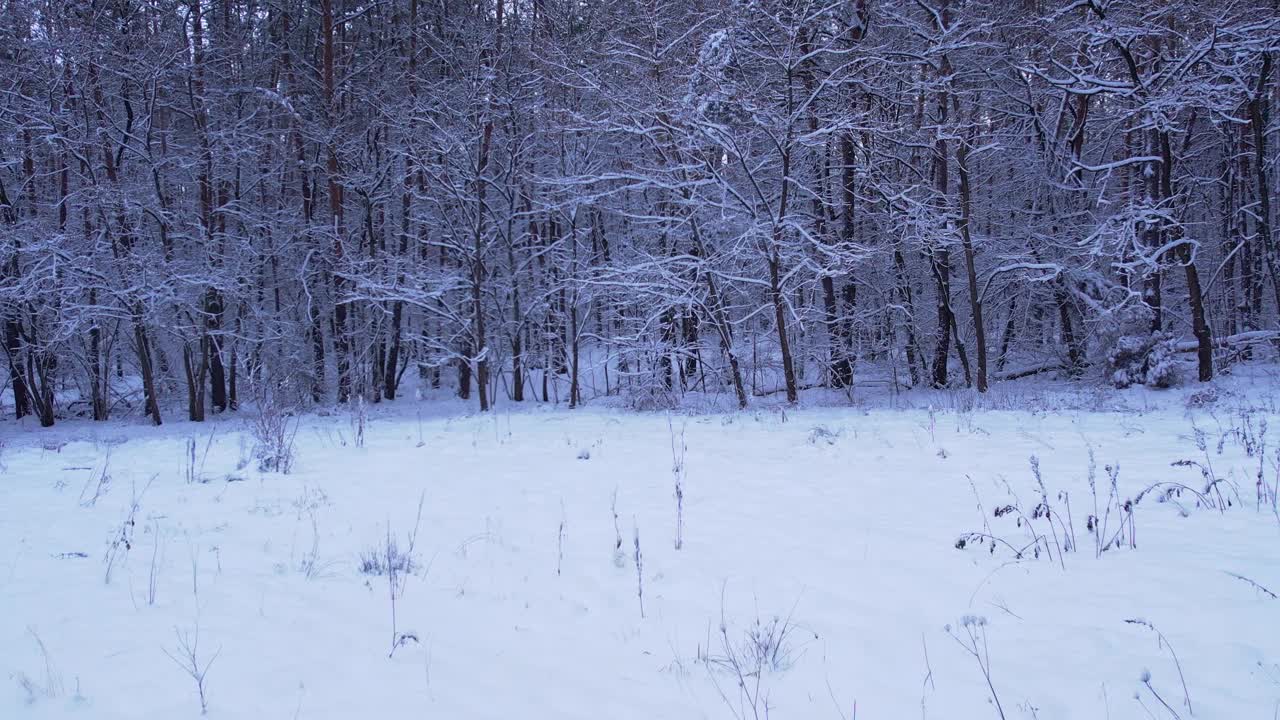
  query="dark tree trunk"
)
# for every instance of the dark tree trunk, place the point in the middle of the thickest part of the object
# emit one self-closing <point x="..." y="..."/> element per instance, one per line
<point x="940" y="262"/>
<point x="689" y="333"/>
<point x="341" y="339"/>
<point x="575" y="382"/>
<point x="940" y="258"/>
<point x="721" y="320"/>
<point x="98" y="368"/>
<point x="40" y="367"/>
<point x="390" y="372"/>
<point x="12" y="323"/>
<point x="18" y="382"/>
<point x="915" y="355"/>
<point x="780" y="321"/>
<point x="1075" y="351"/>
<point x="840" y="367"/>
<point x="1195" y="297"/>
<point x="1003" y="355"/>
<point x="217" y="371"/>
<point x="844" y="333"/>
<point x="142" y="345"/>
<point x="975" y="302"/>
<point x="667" y="370"/>
<point x="842" y="338"/>
<point x="481" y="358"/>
<point x="517" y="344"/>
<point x="317" y="355"/>
<point x="1259" y="106"/>
<point x="233" y="399"/>
<point x="195" y="362"/>
<point x="464" y="373"/>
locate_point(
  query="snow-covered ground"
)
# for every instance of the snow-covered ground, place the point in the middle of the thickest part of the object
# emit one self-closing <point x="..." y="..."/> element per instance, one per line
<point x="819" y="563"/>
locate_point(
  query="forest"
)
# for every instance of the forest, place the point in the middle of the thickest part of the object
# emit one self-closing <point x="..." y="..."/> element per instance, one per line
<point x="639" y="359"/>
<point x="211" y="202"/>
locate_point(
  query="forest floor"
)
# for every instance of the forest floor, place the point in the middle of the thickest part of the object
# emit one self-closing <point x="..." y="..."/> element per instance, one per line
<point x="819" y="574"/>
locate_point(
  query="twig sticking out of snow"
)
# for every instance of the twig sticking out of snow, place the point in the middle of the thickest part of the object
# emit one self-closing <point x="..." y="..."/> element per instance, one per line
<point x="927" y="683"/>
<point x="104" y="480"/>
<point x="975" y="643"/>
<point x="52" y="687"/>
<point x="619" y="557"/>
<point x="397" y="567"/>
<point x="359" y="419"/>
<point x="122" y="539"/>
<point x="1164" y="643"/>
<point x="678" y="448"/>
<point x="639" y="567"/>
<point x="187" y="656"/>
<point x="189" y="458"/>
<point x="1145" y="679"/>
<point x="153" y="574"/>
<point x="1255" y="585"/>
<point x="560" y="541"/>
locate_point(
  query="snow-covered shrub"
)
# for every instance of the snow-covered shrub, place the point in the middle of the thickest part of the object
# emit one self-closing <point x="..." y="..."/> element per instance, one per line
<point x="1203" y="398"/>
<point x="273" y="429"/>
<point x="1131" y="354"/>
<point x="824" y="434"/>
<point x="748" y="656"/>
<point x="1149" y="360"/>
<point x="768" y="643"/>
<point x="648" y="398"/>
<point x="1163" y="370"/>
<point x="385" y="558"/>
<point x="1126" y="361"/>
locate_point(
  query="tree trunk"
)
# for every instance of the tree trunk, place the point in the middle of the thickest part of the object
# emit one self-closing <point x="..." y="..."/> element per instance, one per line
<point x="780" y="320"/>
<point x="18" y="381"/>
<point x="195" y="363"/>
<point x="341" y="339"/>
<point x="217" y="370"/>
<point x="940" y="263"/>
<point x="40" y="366"/>
<point x="721" y="321"/>
<point x="975" y="302"/>
<point x="915" y="354"/>
<point x="142" y="345"/>
<point x="390" y="372"/>
<point x="1199" y="326"/>
<point x="1258" y="118"/>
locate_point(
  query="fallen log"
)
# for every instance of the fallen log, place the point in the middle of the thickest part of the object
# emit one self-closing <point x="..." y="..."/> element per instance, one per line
<point x="1027" y="372"/>
<point x="1232" y="341"/>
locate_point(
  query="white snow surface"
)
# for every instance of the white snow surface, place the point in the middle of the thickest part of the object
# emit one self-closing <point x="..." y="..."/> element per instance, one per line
<point x="841" y="522"/>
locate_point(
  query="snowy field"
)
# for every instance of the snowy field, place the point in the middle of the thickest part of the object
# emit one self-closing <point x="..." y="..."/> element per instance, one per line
<point x="819" y="575"/>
